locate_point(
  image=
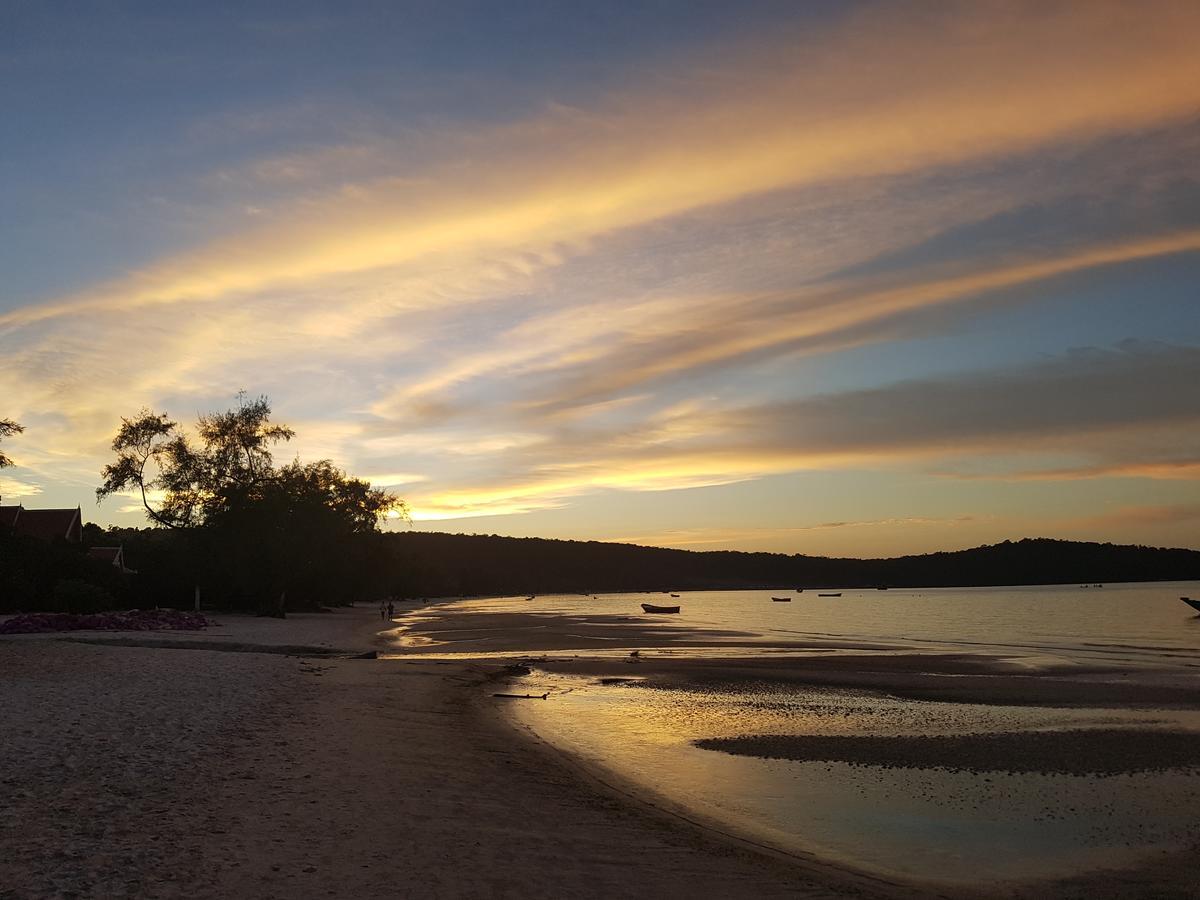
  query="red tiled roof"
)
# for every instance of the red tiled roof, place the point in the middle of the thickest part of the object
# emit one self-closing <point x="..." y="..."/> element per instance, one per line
<point x="49" y="524"/>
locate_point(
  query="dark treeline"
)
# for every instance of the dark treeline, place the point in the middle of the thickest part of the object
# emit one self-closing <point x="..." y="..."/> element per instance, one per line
<point x="448" y="564"/>
<point x="369" y="566"/>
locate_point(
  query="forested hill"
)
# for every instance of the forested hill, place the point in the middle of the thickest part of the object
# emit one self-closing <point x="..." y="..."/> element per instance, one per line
<point x="424" y="564"/>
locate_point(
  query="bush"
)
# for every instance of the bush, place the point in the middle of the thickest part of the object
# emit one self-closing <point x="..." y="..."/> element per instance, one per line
<point x="16" y="592"/>
<point x="74" y="596"/>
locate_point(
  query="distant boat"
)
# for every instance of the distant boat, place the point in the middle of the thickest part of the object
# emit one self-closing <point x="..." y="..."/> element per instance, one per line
<point x="530" y="597"/>
<point x="882" y="587"/>
<point x="799" y="590"/>
<point x="651" y="608"/>
<point x="674" y="595"/>
<point x="830" y="595"/>
<point x="782" y="599"/>
<point x="1194" y="604"/>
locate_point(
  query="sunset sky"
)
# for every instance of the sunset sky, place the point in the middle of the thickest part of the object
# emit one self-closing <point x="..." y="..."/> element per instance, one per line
<point x="824" y="277"/>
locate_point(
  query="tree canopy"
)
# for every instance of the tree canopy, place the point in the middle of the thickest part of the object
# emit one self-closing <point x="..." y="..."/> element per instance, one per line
<point x="156" y="458"/>
<point x="7" y="429"/>
<point x="263" y="531"/>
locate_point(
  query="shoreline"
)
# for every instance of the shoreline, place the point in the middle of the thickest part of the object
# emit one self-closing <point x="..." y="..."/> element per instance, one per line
<point x="325" y="775"/>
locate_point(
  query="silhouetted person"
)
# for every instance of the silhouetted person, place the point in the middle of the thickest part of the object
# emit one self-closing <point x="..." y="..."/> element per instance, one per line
<point x="382" y="610"/>
<point x="391" y="609"/>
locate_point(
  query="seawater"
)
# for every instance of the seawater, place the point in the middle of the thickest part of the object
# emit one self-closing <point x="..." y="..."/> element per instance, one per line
<point x="949" y="826"/>
<point x="1140" y="624"/>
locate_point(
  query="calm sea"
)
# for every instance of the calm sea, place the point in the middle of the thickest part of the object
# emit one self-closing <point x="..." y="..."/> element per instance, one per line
<point x="1136" y="623"/>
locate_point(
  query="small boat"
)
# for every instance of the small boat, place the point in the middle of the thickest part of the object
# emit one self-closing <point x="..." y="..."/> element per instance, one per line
<point x="1194" y="604"/>
<point x="782" y="599"/>
<point x="830" y="595"/>
<point x="882" y="587"/>
<point x="674" y="595"/>
<point x="651" y="608"/>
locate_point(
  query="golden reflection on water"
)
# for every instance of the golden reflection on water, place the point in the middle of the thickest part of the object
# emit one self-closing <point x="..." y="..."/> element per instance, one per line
<point x="948" y="825"/>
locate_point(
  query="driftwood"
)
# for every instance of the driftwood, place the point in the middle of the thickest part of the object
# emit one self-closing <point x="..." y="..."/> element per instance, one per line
<point x="524" y="696"/>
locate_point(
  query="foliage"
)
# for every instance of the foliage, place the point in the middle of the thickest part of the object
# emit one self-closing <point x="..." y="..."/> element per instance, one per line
<point x="155" y="457"/>
<point x="76" y="596"/>
<point x="255" y="534"/>
<point x="7" y="429"/>
<point x="32" y="570"/>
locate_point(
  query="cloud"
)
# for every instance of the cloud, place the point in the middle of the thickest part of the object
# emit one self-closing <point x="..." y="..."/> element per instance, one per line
<point x="584" y="356"/>
<point x="513" y="315"/>
<point x="746" y="537"/>
<point x="969" y="82"/>
<point x="12" y="489"/>
<point x="1176" y="514"/>
<point x="1118" y="408"/>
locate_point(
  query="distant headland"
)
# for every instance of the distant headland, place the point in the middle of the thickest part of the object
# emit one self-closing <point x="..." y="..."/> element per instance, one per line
<point x="434" y="564"/>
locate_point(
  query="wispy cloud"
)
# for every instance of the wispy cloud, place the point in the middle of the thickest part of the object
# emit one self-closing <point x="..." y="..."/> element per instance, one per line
<point x="964" y="83"/>
<point x="1111" y="408"/>
<point x="12" y="489"/>
<point x="503" y="317"/>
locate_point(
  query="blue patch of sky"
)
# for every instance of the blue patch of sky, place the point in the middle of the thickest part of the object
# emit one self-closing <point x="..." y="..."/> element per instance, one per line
<point x="1147" y="300"/>
<point x="1066" y="222"/>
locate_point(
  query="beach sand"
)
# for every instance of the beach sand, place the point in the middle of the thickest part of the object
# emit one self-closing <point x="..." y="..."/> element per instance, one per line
<point x="158" y="771"/>
<point x="224" y="764"/>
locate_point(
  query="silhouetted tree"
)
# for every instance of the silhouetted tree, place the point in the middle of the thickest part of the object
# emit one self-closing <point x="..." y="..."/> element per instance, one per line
<point x="7" y="429"/>
<point x="266" y="533"/>
<point x="154" y="455"/>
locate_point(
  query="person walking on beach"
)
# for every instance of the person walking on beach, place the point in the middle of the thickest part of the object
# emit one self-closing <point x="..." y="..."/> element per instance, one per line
<point x="391" y="609"/>
<point x="382" y="610"/>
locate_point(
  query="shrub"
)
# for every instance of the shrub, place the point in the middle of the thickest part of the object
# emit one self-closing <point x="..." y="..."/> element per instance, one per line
<point x="74" y="596"/>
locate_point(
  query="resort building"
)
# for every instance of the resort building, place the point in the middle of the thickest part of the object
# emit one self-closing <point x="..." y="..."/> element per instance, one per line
<point x="43" y="524"/>
<point x="114" y="556"/>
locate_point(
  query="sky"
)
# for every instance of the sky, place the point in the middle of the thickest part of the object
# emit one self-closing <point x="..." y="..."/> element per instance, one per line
<point x="854" y="279"/>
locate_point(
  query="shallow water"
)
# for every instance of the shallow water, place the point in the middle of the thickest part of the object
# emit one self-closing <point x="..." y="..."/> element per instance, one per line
<point x="928" y="824"/>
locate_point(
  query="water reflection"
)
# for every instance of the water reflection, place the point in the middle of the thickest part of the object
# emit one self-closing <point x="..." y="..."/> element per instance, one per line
<point x="947" y="825"/>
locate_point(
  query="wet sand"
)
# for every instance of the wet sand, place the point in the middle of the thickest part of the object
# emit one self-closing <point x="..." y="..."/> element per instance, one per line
<point x="1084" y="751"/>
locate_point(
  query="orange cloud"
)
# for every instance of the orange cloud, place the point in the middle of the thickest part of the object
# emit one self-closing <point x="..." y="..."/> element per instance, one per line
<point x="954" y="84"/>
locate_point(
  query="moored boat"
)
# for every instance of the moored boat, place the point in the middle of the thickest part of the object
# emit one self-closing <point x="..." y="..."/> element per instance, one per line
<point x="1194" y="604"/>
<point x="651" y="608"/>
<point x="782" y="599"/>
<point x="838" y="594"/>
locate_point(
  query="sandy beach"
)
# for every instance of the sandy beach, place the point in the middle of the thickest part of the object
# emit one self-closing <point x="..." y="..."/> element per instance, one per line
<point x="237" y="770"/>
<point x="257" y="759"/>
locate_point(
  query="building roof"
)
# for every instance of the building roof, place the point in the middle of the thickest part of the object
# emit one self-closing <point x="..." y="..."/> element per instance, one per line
<point x="105" y="554"/>
<point x="49" y="524"/>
